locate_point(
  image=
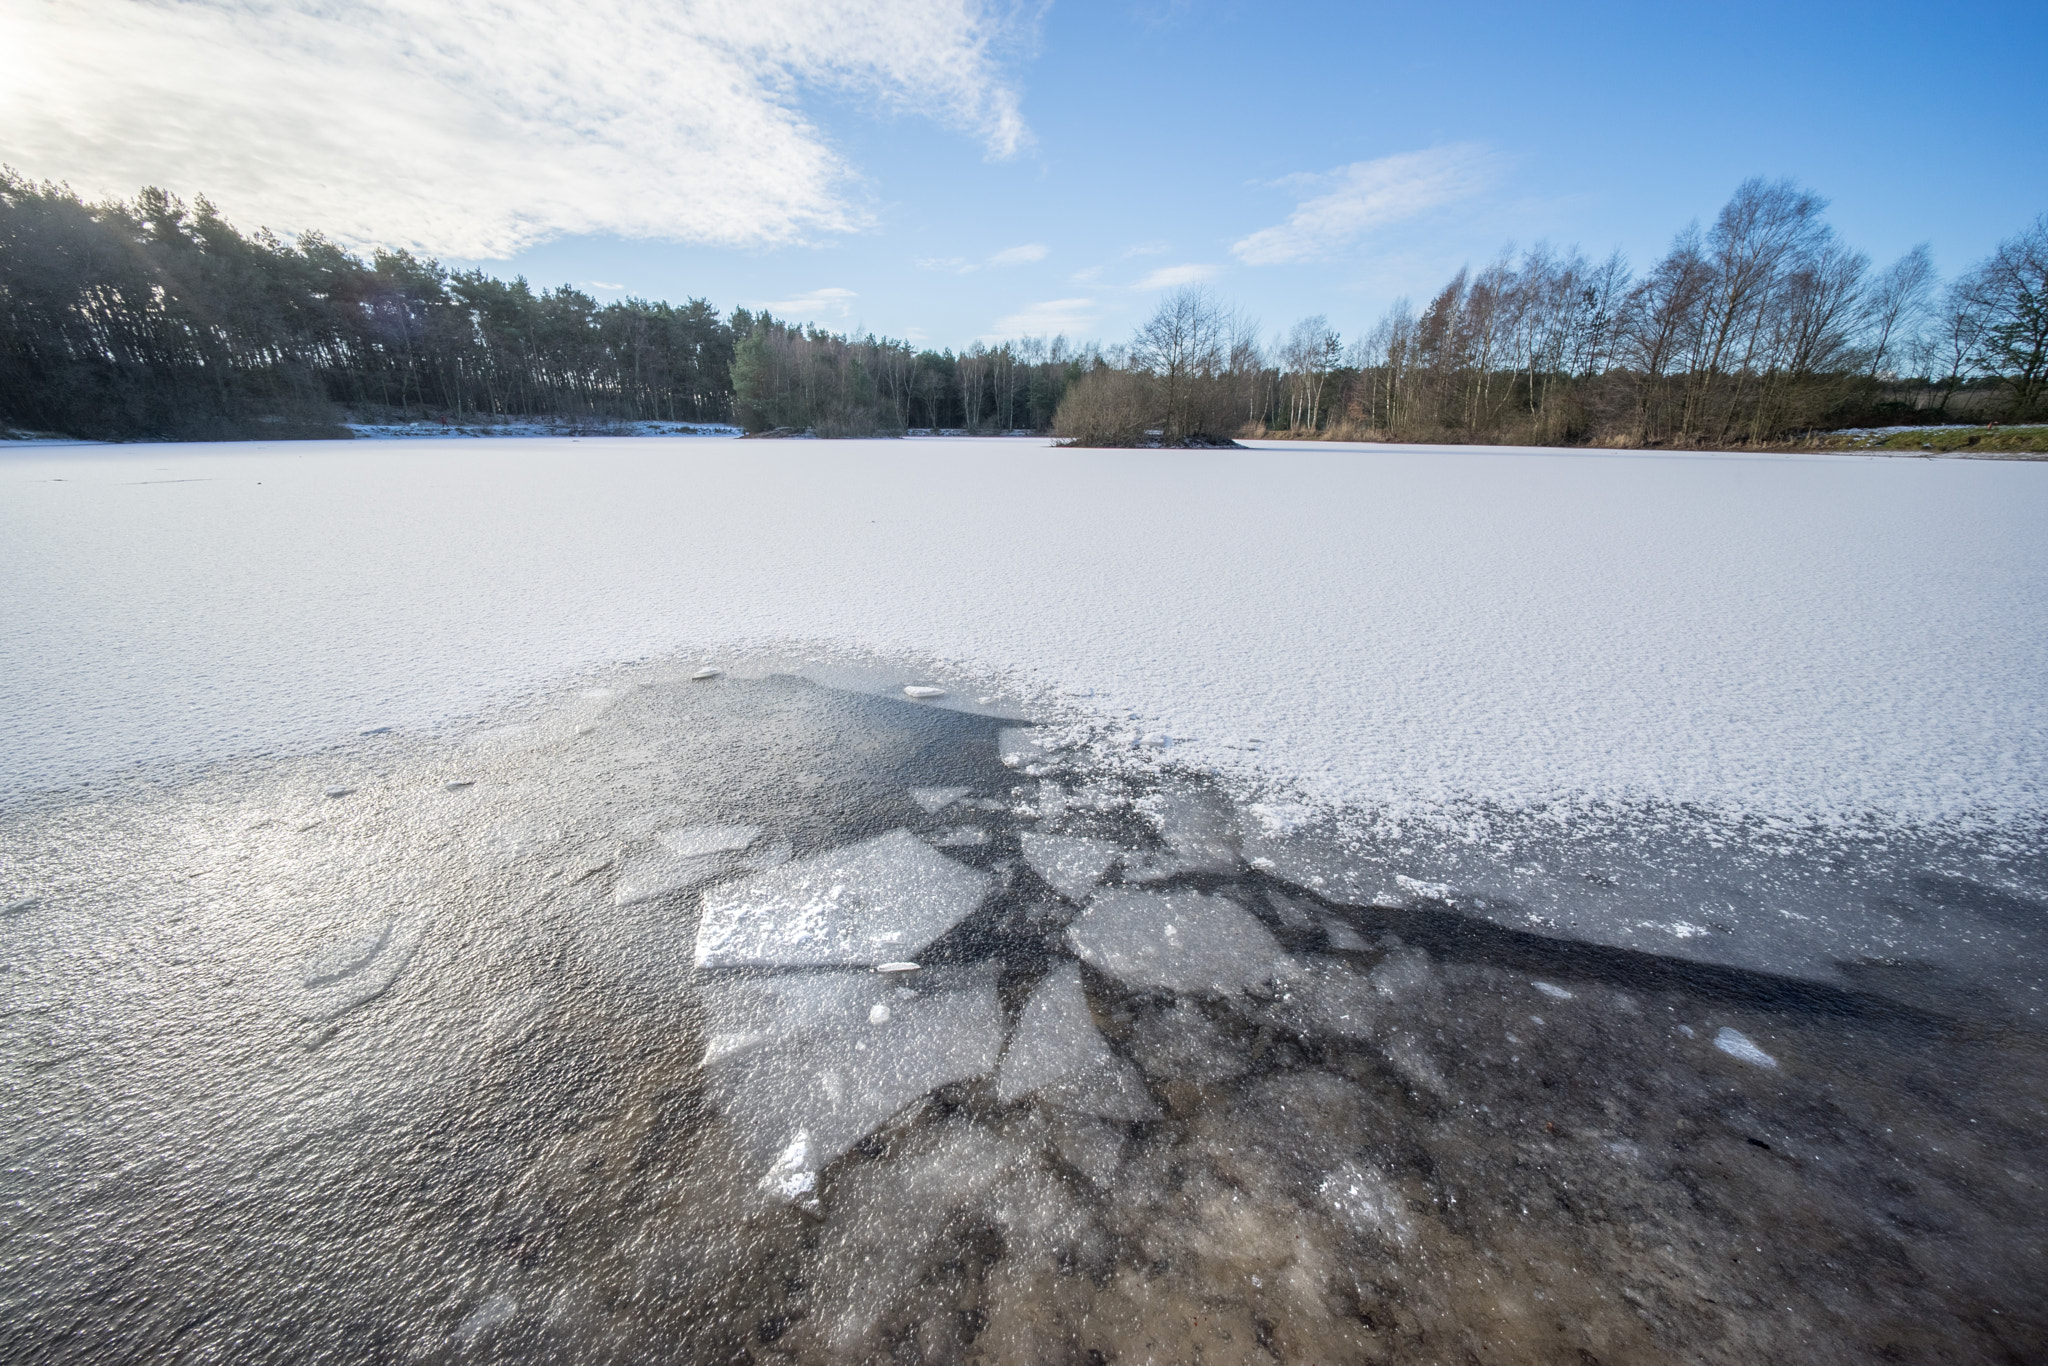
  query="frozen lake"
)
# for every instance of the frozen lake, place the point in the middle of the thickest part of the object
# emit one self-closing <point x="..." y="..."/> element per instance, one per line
<point x="1388" y="628"/>
<point x="1344" y="905"/>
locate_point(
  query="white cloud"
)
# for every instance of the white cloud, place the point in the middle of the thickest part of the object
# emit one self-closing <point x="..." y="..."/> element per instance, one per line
<point x="1047" y="319"/>
<point x="477" y="127"/>
<point x="818" y="303"/>
<point x="1009" y="256"/>
<point x="1020" y="256"/>
<point x="1154" y="248"/>
<point x="1363" y="196"/>
<point x="1172" y="277"/>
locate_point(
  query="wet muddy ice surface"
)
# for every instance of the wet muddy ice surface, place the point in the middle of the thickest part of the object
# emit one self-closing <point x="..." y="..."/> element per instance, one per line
<point x="565" y="1039"/>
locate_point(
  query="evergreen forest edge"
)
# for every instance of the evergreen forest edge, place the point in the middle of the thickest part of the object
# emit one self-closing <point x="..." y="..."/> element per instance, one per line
<point x="150" y="319"/>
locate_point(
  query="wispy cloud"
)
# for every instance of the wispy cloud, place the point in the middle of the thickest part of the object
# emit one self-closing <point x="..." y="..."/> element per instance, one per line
<point x="1363" y="196"/>
<point x="1025" y="255"/>
<point x="1020" y="256"/>
<point x="831" y="302"/>
<point x="1047" y="319"/>
<point x="1153" y="248"/>
<point x="478" y="127"/>
<point x="1172" y="277"/>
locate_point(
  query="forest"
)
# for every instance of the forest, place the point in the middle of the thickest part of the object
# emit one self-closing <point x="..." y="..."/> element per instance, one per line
<point x="152" y="319"/>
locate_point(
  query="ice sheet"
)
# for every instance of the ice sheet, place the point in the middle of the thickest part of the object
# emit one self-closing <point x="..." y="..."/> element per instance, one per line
<point x="867" y="903"/>
<point x="933" y="800"/>
<point x="797" y="1099"/>
<point x="1070" y="864"/>
<point x="1057" y="1054"/>
<point x="1183" y="941"/>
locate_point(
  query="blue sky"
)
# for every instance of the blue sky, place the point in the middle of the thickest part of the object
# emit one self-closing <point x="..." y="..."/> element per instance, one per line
<point x="949" y="169"/>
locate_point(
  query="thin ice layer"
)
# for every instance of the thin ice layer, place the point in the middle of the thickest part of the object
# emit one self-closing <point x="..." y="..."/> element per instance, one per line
<point x="1070" y="864"/>
<point x="933" y="800"/>
<point x="1197" y="828"/>
<point x="690" y="857"/>
<point x="794" y="1104"/>
<point x="1058" y="1054"/>
<point x="1177" y="941"/>
<point x="743" y="1012"/>
<point x="885" y="898"/>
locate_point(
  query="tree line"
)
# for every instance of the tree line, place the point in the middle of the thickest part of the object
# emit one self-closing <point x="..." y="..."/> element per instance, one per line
<point x="1756" y="330"/>
<point x="149" y="318"/>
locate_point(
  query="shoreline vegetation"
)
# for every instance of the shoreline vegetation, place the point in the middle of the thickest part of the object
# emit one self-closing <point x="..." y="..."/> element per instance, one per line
<point x="153" y="320"/>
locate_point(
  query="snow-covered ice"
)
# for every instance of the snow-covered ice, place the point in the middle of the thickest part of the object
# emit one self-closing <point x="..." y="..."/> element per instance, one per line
<point x="881" y="899"/>
<point x="1022" y="747"/>
<point x="1180" y="941"/>
<point x="1403" y="627"/>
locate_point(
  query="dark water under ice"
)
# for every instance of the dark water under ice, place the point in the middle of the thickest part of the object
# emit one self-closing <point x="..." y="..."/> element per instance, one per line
<point x="564" y="1040"/>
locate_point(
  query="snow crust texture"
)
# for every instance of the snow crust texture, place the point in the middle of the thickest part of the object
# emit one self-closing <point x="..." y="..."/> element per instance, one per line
<point x="1380" y="627"/>
<point x="875" y="902"/>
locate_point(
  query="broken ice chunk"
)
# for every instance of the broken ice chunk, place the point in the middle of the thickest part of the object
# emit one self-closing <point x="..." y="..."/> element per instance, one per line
<point x="1070" y="864"/>
<point x="1183" y="941"/>
<point x="1343" y="939"/>
<point x="702" y="674"/>
<point x="830" y="1084"/>
<point x="1364" y="1201"/>
<point x="694" y="840"/>
<point x="792" y="1173"/>
<point x="890" y="1220"/>
<point x="1739" y="1045"/>
<point x="922" y="691"/>
<point x="691" y="857"/>
<point x="1196" y="826"/>
<point x="745" y="1012"/>
<point x="1019" y="747"/>
<point x="1293" y="915"/>
<point x="933" y="800"/>
<point x="1404" y="973"/>
<point x="1412" y="1061"/>
<point x="1058" y="1054"/>
<point x="1551" y="990"/>
<point x="883" y="899"/>
<point x="959" y="837"/>
<point x="1329" y="999"/>
<point x="1181" y="1043"/>
<point x="1090" y="1146"/>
